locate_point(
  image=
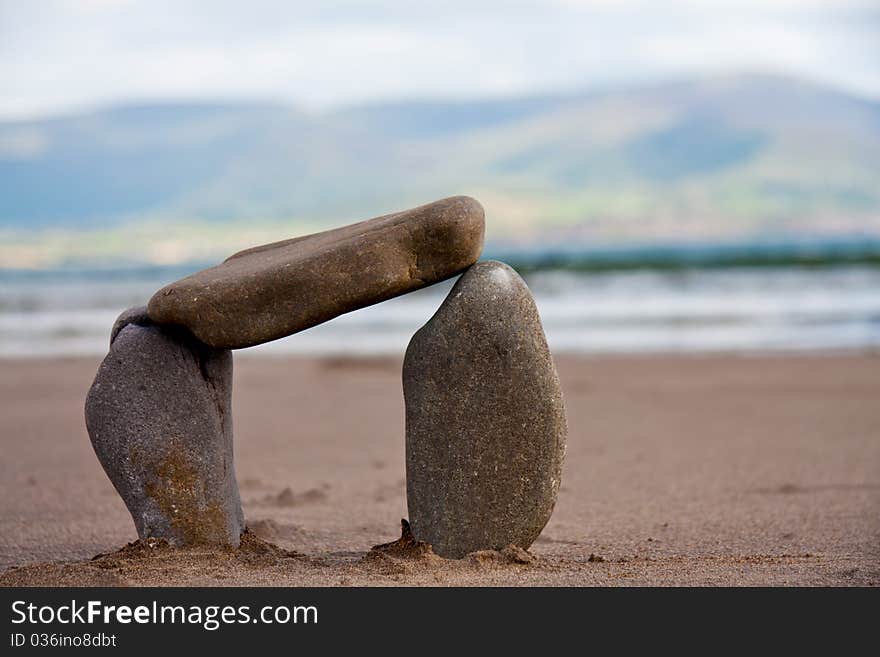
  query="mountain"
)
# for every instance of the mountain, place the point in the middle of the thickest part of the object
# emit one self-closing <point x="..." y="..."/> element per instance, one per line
<point x="743" y="155"/>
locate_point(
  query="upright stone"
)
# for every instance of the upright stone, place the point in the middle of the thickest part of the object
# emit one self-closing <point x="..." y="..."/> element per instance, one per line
<point x="137" y="315"/>
<point x="160" y="420"/>
<point x="485" y="423"/>
<point x="271" y="291"/>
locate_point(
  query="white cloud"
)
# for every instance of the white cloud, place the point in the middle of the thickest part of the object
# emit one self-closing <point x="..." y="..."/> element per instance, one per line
<point x="62" y="53"/>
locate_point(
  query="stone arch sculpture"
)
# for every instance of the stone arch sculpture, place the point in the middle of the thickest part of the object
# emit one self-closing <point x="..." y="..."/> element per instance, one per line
<point x="485" y="421"/>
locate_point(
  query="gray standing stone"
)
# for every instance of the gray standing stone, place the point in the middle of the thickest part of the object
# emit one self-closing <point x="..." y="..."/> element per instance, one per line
<point x="271" y="291"/>
<point x="485" y="423"/>
<point x="137" y="315"/>
<point x="160" y="420"/>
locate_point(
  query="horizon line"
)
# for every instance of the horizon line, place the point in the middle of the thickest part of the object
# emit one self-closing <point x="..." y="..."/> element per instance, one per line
<point x="257" y="100"/>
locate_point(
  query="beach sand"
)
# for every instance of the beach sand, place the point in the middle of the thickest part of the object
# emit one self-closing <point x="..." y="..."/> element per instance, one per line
<point x="700" y="470"/>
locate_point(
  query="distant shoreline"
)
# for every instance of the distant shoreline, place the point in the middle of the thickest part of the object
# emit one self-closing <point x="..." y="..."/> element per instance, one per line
<point x="809" y="252"/>
<point x="779" y="252"/>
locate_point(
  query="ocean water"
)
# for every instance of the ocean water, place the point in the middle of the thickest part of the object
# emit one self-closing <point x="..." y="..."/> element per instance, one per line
<point x="742" y="309"/>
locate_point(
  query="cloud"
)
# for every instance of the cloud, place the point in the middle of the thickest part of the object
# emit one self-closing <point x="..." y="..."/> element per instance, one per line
<point x="59" y="54"/>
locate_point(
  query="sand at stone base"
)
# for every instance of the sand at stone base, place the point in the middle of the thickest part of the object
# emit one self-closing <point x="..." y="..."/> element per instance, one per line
<point x="680" y="470"/>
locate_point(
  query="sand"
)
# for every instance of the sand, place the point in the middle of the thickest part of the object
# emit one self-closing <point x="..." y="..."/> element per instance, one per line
<point x="716" y="470"/>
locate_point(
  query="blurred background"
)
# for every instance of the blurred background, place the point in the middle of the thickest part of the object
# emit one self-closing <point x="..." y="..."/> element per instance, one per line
<point x="683" y="176"/>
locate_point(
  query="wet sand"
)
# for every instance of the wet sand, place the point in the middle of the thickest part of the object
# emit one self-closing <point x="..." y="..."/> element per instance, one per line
<point x="680" y="471"/>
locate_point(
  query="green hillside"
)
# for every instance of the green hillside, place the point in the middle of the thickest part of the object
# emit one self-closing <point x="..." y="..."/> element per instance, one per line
<point x="717" y="158"/>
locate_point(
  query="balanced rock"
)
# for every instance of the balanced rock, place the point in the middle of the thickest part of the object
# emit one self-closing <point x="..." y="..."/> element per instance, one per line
<point x="137" y="315"/>
<point x="160" y="421"/>
<point x="485" y="423"/>
<point x="271" y="291"/>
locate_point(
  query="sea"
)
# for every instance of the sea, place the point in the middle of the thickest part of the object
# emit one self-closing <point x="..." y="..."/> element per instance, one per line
<point x="818" y="296"/>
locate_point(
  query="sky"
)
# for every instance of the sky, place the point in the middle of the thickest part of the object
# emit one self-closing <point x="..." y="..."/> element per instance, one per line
<point x="58" y="56"/>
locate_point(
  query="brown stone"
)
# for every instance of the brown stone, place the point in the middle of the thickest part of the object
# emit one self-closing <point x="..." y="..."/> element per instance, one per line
<point x="159" y="415"/>
<point x="271" y="291"/>
<point x="485" y="423"/>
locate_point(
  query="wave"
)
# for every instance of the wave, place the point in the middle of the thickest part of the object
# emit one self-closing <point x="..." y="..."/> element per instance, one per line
<point x="635" y="310"/>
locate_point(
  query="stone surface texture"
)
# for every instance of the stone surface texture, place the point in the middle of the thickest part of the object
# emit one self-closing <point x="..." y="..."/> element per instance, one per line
<point x="160" y="421"/>
<point x="271" y="291"/>
<point x="485" y="422"/>
<point x="137" y="315"/>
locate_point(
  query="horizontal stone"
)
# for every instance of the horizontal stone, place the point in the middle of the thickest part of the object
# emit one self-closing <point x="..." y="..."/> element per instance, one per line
<point x="271" y="291"/>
